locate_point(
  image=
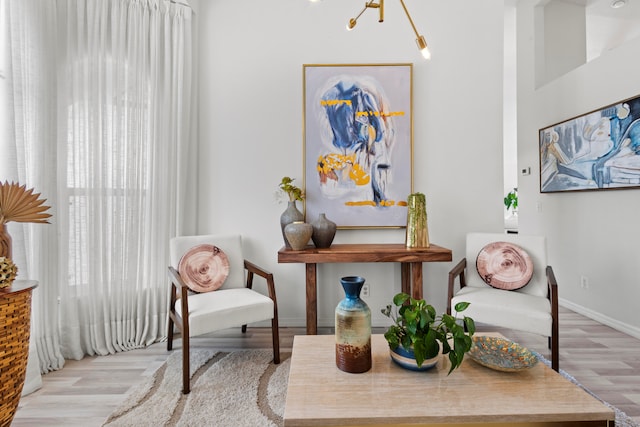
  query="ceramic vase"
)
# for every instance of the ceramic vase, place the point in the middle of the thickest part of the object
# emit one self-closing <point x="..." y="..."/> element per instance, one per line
<point x="405" y="358"/>
<point x="324" y="230"/>
<point x="290" y="215"/>
<point x="5" y="242"/>
<point x="417" y="234"/>
<point x="353" y="328"/>
<point x="298" y="234"/>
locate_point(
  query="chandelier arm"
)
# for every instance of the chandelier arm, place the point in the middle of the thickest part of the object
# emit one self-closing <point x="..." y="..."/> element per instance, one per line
<point x="361" y="12"/>
<point x="373" y="5"/>
<point x="410" y="20"/>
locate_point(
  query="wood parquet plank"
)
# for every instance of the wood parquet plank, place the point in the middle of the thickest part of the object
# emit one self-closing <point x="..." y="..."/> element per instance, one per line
<point x="85" y="392"/>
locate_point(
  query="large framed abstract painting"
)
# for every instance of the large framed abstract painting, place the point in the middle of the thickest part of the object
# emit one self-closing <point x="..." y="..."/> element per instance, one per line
<point x="358" y="143"/>
<point x="596" y="151"/>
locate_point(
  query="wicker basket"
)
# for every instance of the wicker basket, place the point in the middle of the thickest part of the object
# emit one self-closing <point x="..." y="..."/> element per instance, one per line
<point x="15" y="313"/>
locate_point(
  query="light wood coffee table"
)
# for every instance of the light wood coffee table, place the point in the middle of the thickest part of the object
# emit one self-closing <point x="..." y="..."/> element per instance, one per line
<point x="319" y="394"/>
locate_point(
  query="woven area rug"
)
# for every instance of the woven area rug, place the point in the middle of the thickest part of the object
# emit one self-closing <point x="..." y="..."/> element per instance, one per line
<point x="622" y="419"/>
<point x="241" y="388"/>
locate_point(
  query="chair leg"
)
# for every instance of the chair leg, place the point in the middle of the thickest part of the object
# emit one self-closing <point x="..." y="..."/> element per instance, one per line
<point x="275" y="334"/>
<point x="555" y="352"/>
<point x="185" y="365"/>
<point x="170" y="335"/>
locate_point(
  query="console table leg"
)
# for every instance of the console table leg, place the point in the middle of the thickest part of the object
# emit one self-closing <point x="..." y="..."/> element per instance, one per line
<point x="405" y="270"/>
<point x="416" y="280"/>
<point x="312" y="300"/>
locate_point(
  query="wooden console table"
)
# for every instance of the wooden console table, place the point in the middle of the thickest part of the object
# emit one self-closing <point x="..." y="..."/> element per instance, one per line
<point x="411" y="260"/>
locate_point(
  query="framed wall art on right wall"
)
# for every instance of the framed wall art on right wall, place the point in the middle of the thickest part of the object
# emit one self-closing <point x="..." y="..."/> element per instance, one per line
<point x="598" y="150"/>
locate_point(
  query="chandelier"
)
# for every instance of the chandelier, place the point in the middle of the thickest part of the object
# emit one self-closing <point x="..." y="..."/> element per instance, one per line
<point x="420" y="40"/>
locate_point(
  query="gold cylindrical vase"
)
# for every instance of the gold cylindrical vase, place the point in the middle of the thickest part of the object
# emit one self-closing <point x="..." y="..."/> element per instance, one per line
<point x="417" y="232"/>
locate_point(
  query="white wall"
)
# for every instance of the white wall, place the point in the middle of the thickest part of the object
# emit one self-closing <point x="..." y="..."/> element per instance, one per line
<point x="510" y="102"/>
<point x="250" y="127"/>
<point x="564" y="35"/>
<point x="592" y="234"/>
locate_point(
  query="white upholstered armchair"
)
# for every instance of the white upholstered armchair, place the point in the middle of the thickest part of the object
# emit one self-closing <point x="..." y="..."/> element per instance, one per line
<point x="233" y="304"/>
<point x="532" y="308"/>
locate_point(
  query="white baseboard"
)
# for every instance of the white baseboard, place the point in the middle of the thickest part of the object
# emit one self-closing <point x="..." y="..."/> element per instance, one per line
<point x="599" y="317"/>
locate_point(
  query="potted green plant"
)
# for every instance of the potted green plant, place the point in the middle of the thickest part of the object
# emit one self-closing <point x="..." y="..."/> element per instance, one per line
<point x="417" y="330"/>
<point x="511" y="200"/>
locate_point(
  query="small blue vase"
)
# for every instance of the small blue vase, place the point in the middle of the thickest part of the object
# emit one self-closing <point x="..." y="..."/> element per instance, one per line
<point x="353" y="328"/>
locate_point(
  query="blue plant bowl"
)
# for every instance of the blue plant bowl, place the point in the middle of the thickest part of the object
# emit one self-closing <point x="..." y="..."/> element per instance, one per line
<point x="405" y="358"/>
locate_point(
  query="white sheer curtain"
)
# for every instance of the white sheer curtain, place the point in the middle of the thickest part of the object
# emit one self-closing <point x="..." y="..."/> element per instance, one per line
<point x="30" y="141"/>
<point x="102" y="92"/>
<point x="126" y="113"/>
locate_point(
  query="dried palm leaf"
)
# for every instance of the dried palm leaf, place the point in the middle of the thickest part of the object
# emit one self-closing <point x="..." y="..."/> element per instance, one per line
<point x="21" y="205"/>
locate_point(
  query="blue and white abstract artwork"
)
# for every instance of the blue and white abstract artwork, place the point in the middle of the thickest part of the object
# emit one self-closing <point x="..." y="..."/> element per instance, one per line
<point x="598" y="150"/>
<point x="358" y="143"/>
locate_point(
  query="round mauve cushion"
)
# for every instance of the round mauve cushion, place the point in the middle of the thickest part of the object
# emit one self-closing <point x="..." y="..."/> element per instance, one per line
<point x="204" y="268"/>
<point x="504" y="265"/>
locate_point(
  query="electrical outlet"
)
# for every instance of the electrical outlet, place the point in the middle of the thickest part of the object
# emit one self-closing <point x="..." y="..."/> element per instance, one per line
<point x="365" y="291"/>
<point x="584" y="282"/>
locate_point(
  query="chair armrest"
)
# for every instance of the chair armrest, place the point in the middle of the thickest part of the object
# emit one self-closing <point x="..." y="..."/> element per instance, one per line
<point x="176" y="279"/>
<point x="177" y="282"/>
<point x="457" y="271"/>
<point x="552" y="286"/>
<point x="555" y="327"/>
<point x="254" y="269"/>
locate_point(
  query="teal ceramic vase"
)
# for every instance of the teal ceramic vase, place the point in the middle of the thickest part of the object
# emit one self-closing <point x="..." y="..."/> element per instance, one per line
<point x="353" y="328"/>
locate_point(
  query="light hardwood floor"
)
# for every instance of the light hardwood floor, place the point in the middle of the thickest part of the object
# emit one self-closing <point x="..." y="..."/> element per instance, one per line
<point x="85" y="392"/>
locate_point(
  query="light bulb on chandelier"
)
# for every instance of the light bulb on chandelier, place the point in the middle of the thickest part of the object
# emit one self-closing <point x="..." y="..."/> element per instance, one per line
<point x="424" y="49"/>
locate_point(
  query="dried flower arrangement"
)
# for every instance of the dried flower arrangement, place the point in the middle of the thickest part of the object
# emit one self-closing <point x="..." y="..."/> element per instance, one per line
<point x="293" y="192"/>
<point x="18" y="204"/>
<point x="21" y="205"/>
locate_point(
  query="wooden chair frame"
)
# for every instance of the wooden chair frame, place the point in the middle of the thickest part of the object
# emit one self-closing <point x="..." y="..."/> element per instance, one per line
<point x="552" y="294"/>
<point x="182" y="322"/>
